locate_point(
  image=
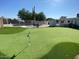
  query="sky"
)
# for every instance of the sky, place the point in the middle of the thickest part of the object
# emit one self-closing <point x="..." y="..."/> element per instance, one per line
<point x="51" y="8"/>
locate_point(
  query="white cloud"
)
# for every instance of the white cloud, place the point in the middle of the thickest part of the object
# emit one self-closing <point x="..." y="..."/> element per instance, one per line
<point x="55" y="2"/>
<point x="58" y="1"/>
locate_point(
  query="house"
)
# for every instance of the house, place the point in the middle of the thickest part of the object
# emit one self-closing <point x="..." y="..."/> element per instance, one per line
<point x="64" y="21"/>
<point x="77" y="21"/>
<point x="4" y="22"/>
<point x="52" y="22"/>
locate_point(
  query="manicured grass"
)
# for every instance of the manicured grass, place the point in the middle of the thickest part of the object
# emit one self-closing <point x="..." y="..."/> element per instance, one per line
<point x="46" y="43"/>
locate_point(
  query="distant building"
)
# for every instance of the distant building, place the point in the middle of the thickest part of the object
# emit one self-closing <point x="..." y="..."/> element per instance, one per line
<point x="64" y="21"/>
<point x="77" y="15"/>
<point x="77" y="19"/>
<point x="52" y="22"/>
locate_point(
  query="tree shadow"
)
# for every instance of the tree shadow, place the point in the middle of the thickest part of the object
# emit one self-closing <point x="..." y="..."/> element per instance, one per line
<point x="11" y="30"/>
<point x="3" y="56"/>
<point x="65" y="50"/>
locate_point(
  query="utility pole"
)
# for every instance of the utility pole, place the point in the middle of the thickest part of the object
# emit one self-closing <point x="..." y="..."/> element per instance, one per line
<point x="33" y="16"/>
<point x="33" y="13"/>
<point x="35" y="23"/>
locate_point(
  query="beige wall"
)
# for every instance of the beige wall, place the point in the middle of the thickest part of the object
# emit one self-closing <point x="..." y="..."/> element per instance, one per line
<point x="1" y="22"/>
<point x="37" y="22"/>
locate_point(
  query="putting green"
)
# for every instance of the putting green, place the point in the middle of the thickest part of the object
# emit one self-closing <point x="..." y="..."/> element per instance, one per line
<point x="46" y="43"/>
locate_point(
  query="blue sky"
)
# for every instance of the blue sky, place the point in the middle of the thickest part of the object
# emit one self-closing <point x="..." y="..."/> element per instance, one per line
<point x="51" y="8"/>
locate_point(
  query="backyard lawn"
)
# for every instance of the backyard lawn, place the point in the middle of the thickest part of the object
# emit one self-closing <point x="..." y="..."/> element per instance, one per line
<point x="46" y="43"/>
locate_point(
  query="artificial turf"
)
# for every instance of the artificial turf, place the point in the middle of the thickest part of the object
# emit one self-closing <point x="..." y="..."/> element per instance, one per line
<point x="46" y="43"/>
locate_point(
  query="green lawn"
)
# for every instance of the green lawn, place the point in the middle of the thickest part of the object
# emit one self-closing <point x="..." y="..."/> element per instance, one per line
<point x="46" y="43"/>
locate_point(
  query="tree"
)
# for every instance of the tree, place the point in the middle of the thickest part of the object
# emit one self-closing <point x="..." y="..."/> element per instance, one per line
<point x="24" y="14"/>
<point x="48" y="19"/>
<point x="15" y="21"/>
<point x="40" y="16"/>
<point x="9" y="20"/>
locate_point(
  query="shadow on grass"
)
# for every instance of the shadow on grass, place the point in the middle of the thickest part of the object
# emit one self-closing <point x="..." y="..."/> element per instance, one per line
<point x="3" y="56"/>
<point x="76" y="28"/>
<point x="66" y="50"/>
<point x="11" y="30"/>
